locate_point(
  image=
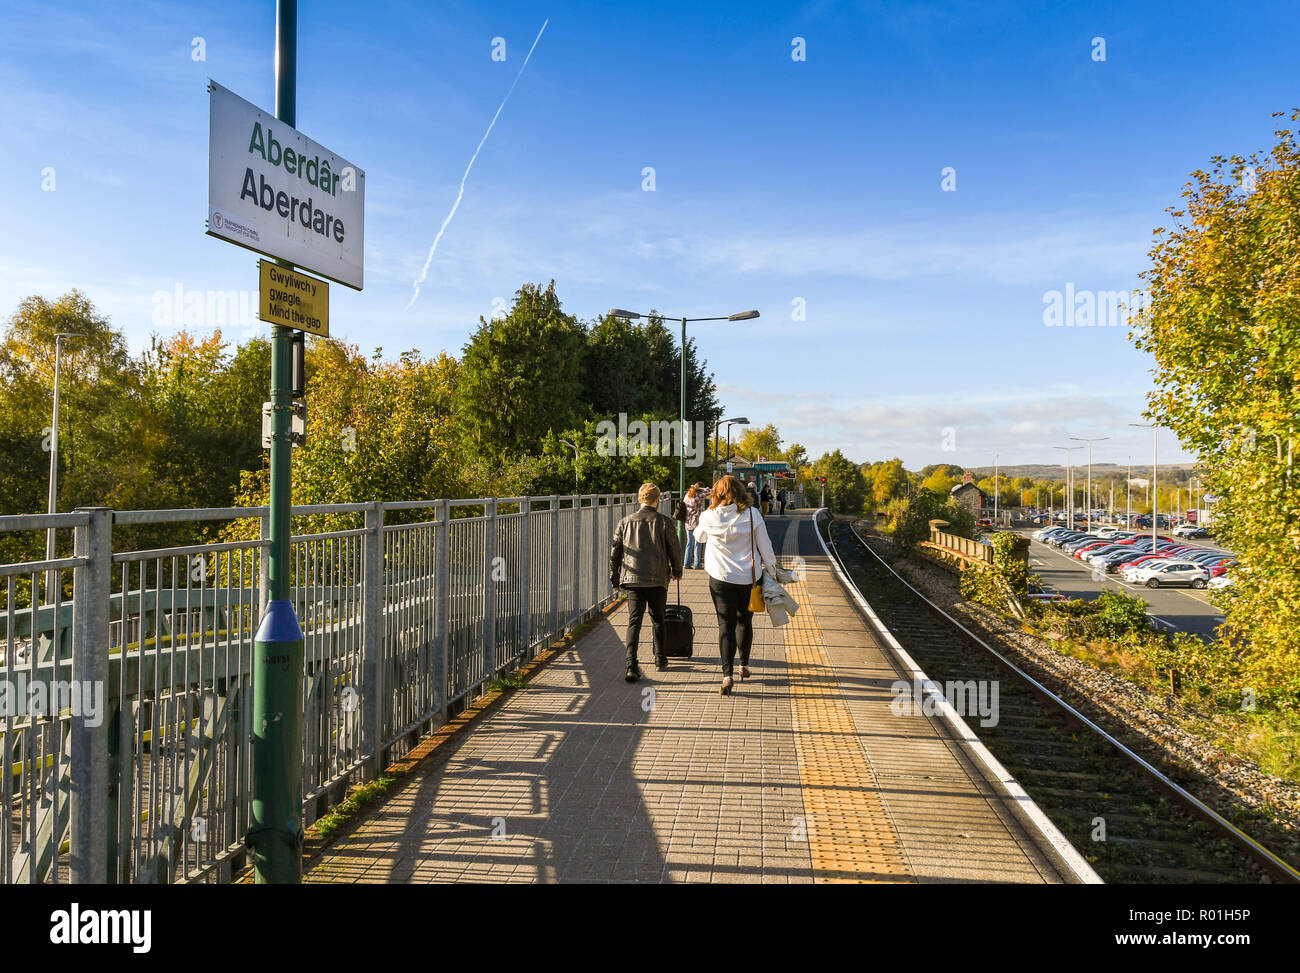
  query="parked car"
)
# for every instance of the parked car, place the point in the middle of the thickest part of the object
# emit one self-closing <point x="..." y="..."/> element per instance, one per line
<point x="984" y="523"/>
<point x="1098" y="555"/>
<point x="1113" y="562"/>
<point x="1083" y="550"/>
<point x="1138" y="561"/>
<point x="1167" y="573"/>
<point x="1039" y="593"/>
<point x="1190" y="530"/>
<point x="1220" y="582"/>
<point x="1082" y="543"/>
<point x="1220" y="567"/>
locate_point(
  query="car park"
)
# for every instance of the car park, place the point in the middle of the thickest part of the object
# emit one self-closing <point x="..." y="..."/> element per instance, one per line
<point x="1167" y="573"/>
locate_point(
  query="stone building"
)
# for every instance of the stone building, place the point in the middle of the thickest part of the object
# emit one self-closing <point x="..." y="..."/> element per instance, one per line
<point x="967" y="494"/>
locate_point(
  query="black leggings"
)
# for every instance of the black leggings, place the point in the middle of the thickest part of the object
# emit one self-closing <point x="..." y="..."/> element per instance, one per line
<point x="735" y="621"/>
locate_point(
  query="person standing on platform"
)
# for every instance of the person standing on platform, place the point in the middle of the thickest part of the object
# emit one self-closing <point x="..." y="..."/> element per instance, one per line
<point x="781" y="498"/>
<point x="766" y="497"/>
<point x="645" y="555"/>
<point x="737" y="551"/>
<point x="697" y="501"/>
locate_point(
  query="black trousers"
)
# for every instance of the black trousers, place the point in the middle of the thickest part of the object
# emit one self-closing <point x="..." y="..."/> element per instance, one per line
<point x="735" y="621"/>
<point x="638" y="600"/>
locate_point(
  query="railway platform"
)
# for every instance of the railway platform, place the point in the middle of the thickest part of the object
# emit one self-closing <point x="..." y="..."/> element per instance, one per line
<point x="807" y="773"/>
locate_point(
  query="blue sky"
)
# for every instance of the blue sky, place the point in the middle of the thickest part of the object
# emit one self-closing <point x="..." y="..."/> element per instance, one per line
<point x="776" y="182"/>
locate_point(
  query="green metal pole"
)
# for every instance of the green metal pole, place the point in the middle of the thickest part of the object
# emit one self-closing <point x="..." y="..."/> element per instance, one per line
<point x="275" y="835"/>
<point x="681" y="466"/>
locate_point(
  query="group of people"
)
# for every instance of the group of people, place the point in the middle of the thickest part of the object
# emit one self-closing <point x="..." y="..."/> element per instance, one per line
<point x="725" y="531"/>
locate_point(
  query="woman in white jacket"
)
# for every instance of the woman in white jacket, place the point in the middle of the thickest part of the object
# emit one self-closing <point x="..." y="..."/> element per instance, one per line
<point x="736" y="552"/>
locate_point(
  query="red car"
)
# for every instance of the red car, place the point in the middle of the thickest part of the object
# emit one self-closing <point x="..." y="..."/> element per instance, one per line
<point x="1137" y="561"/>
<point x="1218" y="569"/>
<point x="1080" y="551"/>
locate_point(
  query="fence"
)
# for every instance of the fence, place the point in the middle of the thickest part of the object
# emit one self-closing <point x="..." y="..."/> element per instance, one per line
<point x="962" y="545"/>
<point x="126" y="676"/>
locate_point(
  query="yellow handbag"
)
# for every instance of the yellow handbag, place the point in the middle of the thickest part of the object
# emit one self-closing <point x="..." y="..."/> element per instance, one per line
<point x="756" y="603"/>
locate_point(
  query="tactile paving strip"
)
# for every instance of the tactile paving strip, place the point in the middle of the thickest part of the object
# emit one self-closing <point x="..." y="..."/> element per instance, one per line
<point x="850" y="836"/>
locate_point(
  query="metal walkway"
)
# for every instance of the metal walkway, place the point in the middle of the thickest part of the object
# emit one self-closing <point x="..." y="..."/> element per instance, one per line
<point x="804" y="774"/>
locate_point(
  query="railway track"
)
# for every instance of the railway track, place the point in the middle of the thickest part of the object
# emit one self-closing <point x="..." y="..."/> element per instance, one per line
<point x="1083" y="779"/>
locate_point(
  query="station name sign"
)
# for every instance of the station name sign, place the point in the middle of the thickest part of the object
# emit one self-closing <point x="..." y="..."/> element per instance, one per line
<point x="292" y="299"/>
<point x="273" y="190"/>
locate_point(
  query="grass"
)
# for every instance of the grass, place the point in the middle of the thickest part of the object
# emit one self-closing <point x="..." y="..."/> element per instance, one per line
<point x="511" y="680"/>
<point x="363" y="795"/>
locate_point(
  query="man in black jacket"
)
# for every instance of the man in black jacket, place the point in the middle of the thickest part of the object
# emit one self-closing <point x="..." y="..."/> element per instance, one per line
<point x="645" y="555"/>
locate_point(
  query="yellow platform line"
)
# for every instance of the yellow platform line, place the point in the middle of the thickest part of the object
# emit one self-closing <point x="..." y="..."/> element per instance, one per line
<point x="850" y="836"/>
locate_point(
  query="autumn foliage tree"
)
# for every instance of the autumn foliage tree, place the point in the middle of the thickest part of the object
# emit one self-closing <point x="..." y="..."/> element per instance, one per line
<point x="1223" y="323"/>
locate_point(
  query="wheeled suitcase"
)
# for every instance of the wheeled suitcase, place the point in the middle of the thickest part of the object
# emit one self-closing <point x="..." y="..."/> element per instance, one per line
<point x="679" y="629"/>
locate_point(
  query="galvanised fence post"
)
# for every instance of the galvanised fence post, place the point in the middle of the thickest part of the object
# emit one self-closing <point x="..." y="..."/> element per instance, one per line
<point x="555" y="568"/>
<point x="576" y="607"/>
<point x="525" y="602"/>
<point x="88" y="765"/>
<point x="442" y="597"/>
<point x="489" y="589"/>
<point x="372" y="635"/>
<point x="596" y="552"/>
<point x="263" y="559"/>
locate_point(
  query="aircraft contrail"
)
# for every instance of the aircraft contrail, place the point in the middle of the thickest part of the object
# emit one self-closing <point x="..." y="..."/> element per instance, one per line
<point x="429" y="260"/>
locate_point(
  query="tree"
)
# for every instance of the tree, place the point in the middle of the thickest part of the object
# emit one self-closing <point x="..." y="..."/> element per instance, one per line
<point x="845" y="487"/>
<point x="1223" y="324"/>
<point x="890" y="481"/>
<point x="521" y="376"/>
<point x="204" y="411"/>
<point x="102" y="443"/>
<point x="619" y="374"/>
<point x="756" y="442"/>
<point x="701" y="392"/>
<point x="939" y="481"/>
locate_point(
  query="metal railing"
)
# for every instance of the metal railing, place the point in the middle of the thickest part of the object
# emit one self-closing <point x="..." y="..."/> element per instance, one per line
<point x="126" y="676"/>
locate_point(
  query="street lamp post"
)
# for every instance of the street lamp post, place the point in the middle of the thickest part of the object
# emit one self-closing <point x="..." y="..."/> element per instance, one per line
<point x="681" y="466"/>
<point x="52" y="577"/>
<point x="1094" y="439"/>
<point x="576" y="491"/>
<point x="1155" y="459"/>
<point x="739" y="421"/>
<point x="1128" y="496"/>
<point x="995" y="488"/>
<point x="1069" y="483"/>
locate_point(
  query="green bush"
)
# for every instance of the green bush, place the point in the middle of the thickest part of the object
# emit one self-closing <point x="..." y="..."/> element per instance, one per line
<point x="1117" y="615"/>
